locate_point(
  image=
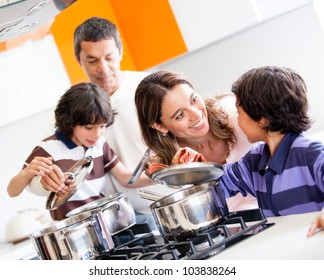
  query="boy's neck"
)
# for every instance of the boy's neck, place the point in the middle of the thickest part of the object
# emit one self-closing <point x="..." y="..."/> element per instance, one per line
<point x="273" y="139"/>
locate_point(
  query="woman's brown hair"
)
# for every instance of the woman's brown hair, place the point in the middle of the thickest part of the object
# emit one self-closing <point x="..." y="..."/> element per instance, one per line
<point x="149" y="97"/>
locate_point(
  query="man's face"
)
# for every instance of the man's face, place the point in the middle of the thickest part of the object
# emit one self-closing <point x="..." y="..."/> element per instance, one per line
<point x="101" y="62"/>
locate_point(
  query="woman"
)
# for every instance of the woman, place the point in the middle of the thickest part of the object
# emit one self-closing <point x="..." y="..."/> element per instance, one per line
<point x="172" y="115"/>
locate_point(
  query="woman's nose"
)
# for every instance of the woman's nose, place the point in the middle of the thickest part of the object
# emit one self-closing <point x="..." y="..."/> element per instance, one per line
<point x="194" y="113"/>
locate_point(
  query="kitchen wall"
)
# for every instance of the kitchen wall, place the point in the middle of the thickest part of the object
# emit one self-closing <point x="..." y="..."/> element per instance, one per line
<point x="293" y="38"/>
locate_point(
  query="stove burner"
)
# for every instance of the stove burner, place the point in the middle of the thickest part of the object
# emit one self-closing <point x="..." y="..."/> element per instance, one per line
<point x="204" y="245"/>
<point x="139" y="242"/>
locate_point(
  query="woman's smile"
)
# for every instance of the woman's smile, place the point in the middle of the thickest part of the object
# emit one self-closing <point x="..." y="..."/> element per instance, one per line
<point x="199" y="124"/>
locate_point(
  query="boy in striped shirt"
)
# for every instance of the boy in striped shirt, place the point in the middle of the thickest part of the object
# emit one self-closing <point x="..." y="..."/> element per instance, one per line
<point x="285" y="172"/>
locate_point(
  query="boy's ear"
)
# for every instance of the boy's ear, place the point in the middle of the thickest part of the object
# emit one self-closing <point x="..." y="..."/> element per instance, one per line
<point x="263" y="122"/>
<point x="159" y="127"/>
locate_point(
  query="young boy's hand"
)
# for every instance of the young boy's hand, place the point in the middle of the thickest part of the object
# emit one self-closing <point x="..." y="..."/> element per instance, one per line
<point x="54" y="180"/>
<point x="39" y="166"/>
<point x="316" y="224"/>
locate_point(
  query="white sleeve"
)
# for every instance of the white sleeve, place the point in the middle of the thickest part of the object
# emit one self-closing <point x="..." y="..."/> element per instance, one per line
<point x="37" y="188"/>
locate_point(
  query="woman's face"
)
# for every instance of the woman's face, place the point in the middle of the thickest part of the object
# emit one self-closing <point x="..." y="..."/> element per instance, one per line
<point x="183" y="113"/>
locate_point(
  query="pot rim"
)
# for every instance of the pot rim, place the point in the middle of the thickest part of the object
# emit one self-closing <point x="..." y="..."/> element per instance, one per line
<point x="101" y="203"/>
<point x="181" y="196"/>
<point x="59" y="225"/>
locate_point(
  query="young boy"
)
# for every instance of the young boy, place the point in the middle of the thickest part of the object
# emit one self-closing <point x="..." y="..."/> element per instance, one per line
<point x="81" y="116"/>
<point x="285" y="173"/>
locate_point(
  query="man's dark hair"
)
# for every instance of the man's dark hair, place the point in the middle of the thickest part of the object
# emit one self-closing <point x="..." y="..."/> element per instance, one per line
<point x="93" y="30"/>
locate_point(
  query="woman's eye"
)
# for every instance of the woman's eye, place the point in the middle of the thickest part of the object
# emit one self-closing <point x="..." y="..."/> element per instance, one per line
<point x="194" y="99"/>
<point x="180" y="116"/>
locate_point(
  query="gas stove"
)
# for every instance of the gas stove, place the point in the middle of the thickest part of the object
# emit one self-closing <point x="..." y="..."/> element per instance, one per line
<point x="140" y="243"/>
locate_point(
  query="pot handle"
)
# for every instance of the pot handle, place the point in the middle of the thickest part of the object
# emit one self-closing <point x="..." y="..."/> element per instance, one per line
<point x="67" y="232"/>
<point x="109" y="205"/>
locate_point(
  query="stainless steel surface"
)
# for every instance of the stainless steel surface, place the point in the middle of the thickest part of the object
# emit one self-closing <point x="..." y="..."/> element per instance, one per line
<point x="188" y="173"/>
<point x="77" y="173"/>
<point x="116" y="209"/>
<point x="20" y="17"/>
<point x="81" y="237"/>
<point x="190" y="209"/>
<point x="139" y="168"/>
<point x="149" y="195"/>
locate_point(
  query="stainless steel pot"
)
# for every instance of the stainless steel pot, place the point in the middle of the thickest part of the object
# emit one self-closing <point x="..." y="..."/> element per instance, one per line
<point x="81" y="237"/>
<point x="189" y="210"/>
<point x="116" y="209"/>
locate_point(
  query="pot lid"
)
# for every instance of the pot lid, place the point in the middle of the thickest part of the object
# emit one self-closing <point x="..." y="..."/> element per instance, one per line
<point x="188" y="173"/>
<point x="78" y="172"/>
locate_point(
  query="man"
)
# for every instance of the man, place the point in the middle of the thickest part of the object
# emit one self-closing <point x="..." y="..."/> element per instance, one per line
<point x="99" y="51"/>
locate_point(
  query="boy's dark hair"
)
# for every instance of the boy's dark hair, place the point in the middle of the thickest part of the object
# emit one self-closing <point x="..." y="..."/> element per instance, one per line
<point x="278" y="94"/>
<point x="83" y="104"/>
<point x="93" y="30"/>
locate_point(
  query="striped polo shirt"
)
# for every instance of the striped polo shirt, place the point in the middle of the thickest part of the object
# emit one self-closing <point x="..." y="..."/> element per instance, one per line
<point x="65" y="154"/>
<point x="289" y="182"/>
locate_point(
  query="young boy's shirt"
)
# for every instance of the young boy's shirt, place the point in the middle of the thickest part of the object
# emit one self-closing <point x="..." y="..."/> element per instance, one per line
<point x="290" y="182"/>
<point x="65" y="154"/>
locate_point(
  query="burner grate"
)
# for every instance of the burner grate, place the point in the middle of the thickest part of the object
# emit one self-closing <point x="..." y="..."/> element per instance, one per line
<point x="139" y="243"/>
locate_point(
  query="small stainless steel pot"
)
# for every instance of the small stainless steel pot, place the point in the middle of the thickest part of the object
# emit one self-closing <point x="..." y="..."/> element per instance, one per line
<point x="189" y="210"/>
<point x="81" y="237"/>
<point x="116" y="209"/>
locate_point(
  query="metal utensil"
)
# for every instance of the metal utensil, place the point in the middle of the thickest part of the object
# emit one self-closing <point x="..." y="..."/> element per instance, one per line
<point x="139" y="168"/>
<point x="149" y="195"/>
<point x="77" y="173"/>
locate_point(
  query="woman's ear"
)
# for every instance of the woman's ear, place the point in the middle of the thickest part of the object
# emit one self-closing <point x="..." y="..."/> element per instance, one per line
<point x="159" y="127"/>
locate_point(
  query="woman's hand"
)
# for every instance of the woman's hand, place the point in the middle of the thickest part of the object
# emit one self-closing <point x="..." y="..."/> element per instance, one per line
<point x="316" y="224"/>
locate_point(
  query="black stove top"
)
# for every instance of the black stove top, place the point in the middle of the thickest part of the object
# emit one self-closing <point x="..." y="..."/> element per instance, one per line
<point x="139" y="242"/>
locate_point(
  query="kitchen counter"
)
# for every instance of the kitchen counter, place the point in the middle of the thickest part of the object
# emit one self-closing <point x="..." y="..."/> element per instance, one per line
<point x="20" y="251"/>
<point x="285" y="240"/>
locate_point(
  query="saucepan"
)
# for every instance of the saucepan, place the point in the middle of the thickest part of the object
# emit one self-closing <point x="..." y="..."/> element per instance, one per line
<point x="189" y="210"/>
<point x="81" y="237"/>
<point x="194" y="207"/>
<point x="116" y="209"/>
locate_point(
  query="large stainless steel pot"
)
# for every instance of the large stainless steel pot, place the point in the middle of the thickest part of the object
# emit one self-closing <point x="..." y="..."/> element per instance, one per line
<point x="116" y="209"/>
<point x="189" y="210"/>
<point x="81" y="237"/>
